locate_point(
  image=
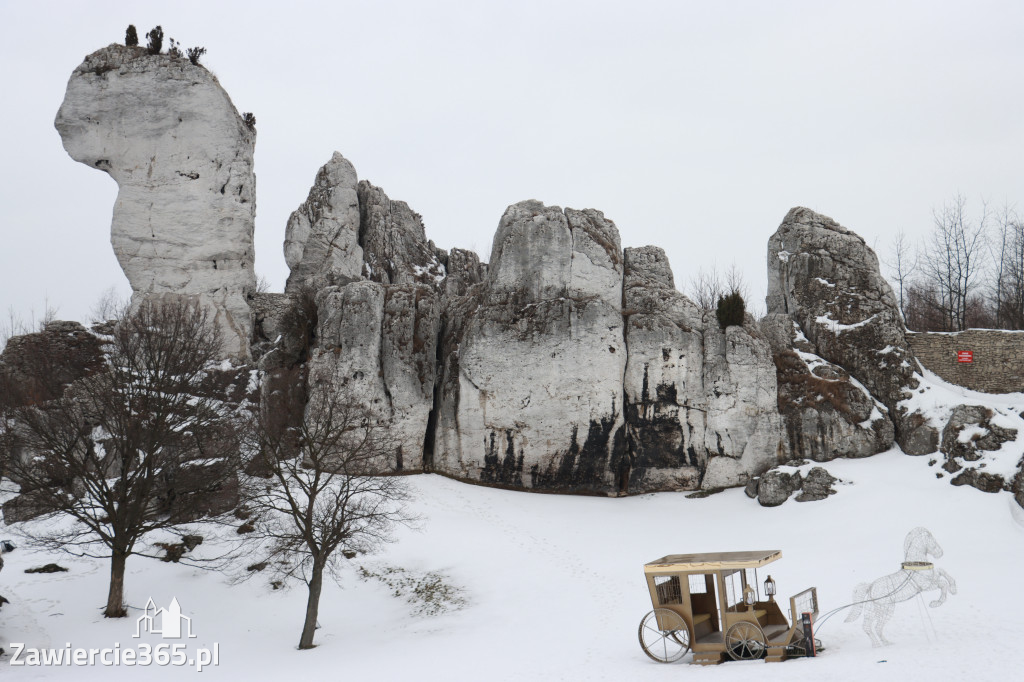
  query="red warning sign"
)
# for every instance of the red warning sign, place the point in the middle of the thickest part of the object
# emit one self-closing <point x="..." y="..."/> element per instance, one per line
<point x="965" y="356"/>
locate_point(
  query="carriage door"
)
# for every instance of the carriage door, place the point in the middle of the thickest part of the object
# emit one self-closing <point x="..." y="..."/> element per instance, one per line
<point x="704" y="603"/>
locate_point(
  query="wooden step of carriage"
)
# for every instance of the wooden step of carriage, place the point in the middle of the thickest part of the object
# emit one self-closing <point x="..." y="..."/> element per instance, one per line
<point x="708" y="657"/>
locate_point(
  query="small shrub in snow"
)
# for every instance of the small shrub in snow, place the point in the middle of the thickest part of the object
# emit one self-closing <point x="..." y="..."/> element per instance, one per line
<point x="428" y="593"/>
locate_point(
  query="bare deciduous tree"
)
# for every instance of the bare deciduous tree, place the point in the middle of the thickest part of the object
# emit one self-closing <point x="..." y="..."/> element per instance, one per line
<point x="329" y="500"/>
<point x="902" y="263"/>
<point x="952" y="262"/>
<point x="109" y="306"/>
<point x="134" y="448"/>
<point x="1007" y="290"/>
<point x="707" y="286"/>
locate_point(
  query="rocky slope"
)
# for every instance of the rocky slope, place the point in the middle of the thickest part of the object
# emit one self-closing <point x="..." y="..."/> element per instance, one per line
<point x="182" y="157"/>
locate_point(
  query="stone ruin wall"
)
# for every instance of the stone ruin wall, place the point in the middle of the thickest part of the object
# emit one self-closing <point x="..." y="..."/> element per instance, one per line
<point x="998" y="362"/>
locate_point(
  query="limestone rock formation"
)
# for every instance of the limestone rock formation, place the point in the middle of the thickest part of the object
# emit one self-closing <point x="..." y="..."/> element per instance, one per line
<point x="827" y="280"/>
<point x="700" y="401"/>
<point x="971" y="432"/>
<point x="464" y="270"/>
<point x="40" y="365"/>
<point x="777" y="485"/>
<point x="532" y="388"/>
<point x="827" y="413"/>
<point x="666" y="411"/>
<point x="395" y="246"/>
<point x="572" y="367"/>
<point x="182" y="157"/>
<point x="321" y="240"/>
<point x="375" y="283"/>
<point x="744" y="429"/>
<point x="376" y="345"/>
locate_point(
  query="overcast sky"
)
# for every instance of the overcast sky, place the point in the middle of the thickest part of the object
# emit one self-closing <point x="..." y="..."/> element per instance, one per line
<point x="695" y="126"/>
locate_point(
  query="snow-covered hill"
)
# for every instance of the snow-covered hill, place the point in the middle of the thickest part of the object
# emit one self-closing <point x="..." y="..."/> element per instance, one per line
<point x="554" y="588"/>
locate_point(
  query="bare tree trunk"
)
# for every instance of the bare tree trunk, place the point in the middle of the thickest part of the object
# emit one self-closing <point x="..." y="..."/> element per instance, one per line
<point x="115" y="598"/>
<point x="312" y="606"/>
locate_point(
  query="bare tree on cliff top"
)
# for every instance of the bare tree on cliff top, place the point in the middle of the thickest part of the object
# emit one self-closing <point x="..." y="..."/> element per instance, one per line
<point x="328" y="495"/>
<point x="137" y="447"/>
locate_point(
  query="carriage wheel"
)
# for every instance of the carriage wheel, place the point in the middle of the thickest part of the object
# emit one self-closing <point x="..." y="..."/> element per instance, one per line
<point x="745" y="641"/>
<point x="664" y="636"/>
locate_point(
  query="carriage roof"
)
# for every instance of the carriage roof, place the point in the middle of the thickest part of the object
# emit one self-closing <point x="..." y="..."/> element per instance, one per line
<point x="712" y="561"/>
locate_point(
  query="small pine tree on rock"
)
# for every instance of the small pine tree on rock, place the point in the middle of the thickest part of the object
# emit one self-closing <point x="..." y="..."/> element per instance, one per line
<point x="156" y="40"/>
<point x="175" y="49"/>
<point x="731" y="309"/>
<point x="250" y="120"/>
<point x="131" y="36"/>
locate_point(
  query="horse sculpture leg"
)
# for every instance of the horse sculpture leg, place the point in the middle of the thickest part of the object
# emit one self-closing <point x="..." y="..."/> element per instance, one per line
<point x="949" y="579"/>
<point x="882" y="613"/>
<point x="945" y="583"/>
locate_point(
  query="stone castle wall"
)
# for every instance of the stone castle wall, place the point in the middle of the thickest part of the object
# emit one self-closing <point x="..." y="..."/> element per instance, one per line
<point x="998" y="362"/>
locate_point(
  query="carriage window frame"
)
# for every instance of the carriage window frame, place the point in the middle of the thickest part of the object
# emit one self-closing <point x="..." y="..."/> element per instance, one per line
<point x="668" y="590"/>
<point x="698" y="583"/>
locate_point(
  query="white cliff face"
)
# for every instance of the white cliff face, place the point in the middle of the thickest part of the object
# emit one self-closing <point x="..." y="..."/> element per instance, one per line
<point x="744" y="430"/>
<point x="376" y="347"/>
<point x="182" y="158"/>
<point x="533" y="380"/>
<point x="700" y="401"/>
<point x="321" y="240"/>
<point x="666" y="410"/>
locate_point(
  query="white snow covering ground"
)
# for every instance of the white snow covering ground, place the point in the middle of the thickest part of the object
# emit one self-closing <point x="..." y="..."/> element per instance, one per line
<point x="555" y="589"/>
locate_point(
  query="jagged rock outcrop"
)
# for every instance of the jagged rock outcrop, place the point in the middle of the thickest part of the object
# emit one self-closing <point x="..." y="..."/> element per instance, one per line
<point x="533" y="358"/>
<point x="182" y="157"/>
<point x="464" y="270"/>
<point x="827" y="413"/>
<point x="376" y="345"/>
<point x="700" y="401"/>
<point x="321" y="240"/>
<point x="375" y="282"/>
<point x="395" y="246"/>
<point x="777" y="485"/>
<point x="38" y="366"/>
<point x="971" y="432"/>
<point x="827" y="280"/>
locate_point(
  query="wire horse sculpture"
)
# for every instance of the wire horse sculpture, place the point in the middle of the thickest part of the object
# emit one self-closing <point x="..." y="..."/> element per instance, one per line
<point x="877" y="600"/>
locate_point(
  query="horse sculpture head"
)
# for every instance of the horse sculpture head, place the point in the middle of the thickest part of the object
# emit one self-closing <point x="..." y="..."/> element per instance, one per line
<point x="920" y="544"/>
